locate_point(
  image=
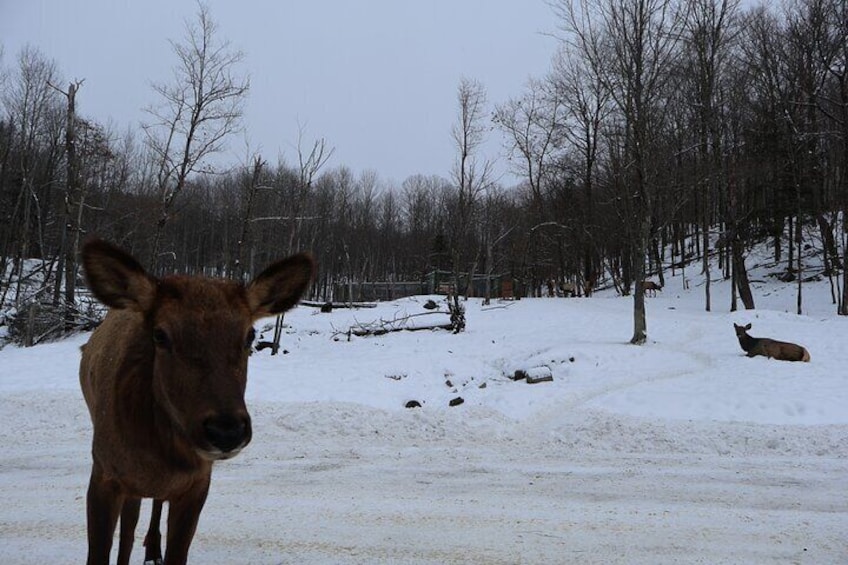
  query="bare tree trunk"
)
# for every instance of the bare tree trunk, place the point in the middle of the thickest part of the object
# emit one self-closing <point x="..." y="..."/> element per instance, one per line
<point x="843" y="302"/>
<point x="73" y="209"/>
<point x="278" y="334"/>
<point x="60" y="268"/>
<point x="237" y="272"/>
<point x="658" y="260"/>
<point x="799" y="272"/>
<point x="705" y="254"/>
<point x="23" y="250"/>
<point x="740" y="275"/>
<point x="792" y="240"/>
<point x="489" y="255"/>
<point x="640" y="320"/>
<point x="831" y="255"/>
<point x="472" y="271"/>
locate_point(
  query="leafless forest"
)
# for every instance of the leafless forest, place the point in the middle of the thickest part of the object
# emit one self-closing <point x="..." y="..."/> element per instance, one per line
<point x="666" y="132"/>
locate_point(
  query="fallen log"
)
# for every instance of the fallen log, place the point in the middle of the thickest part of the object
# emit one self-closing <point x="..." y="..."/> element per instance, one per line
<point x="398" y="324"/>
<point x="361" y="332"/>
<point x="334" y="305"/>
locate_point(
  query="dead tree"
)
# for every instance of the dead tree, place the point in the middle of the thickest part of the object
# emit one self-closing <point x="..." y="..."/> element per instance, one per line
<point x="74" y="196"/>
<point x="309" y="165"/>
<point x="471" y="177"/>
<point x="244" y="238"/>
<point x="197" y="112"/>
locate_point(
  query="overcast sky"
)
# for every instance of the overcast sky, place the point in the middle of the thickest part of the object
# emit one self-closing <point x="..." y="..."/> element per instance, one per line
<point x="376" y="78"/>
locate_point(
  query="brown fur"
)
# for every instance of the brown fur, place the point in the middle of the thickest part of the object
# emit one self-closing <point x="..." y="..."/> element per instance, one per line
<point x="164" y="378"/>
<point x="651" y="287"/>
<point x="771" y="348"/>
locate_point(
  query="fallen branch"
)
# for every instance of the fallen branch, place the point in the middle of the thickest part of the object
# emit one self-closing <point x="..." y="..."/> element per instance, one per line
<point x="498" y="307"/>
<point x="397" y="324"/>
<point x="362" y="332"/>
<point x="318" y="304"/>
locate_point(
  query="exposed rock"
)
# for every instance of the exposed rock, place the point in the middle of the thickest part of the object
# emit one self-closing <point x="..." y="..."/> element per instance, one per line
<point x="540" y="379"/>
<point x="534" y="375"/>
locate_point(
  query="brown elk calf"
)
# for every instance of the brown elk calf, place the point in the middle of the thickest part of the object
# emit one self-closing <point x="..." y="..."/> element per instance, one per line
<point x="770" y="348"/>
<point x="651" y="287"/>
<point x="164" y="377"/>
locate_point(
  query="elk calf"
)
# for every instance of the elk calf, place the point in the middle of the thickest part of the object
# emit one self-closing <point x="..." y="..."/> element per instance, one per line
<point x="771" y="348"/>
<point x="164" y="377"/>
<point x="651" y="287"/>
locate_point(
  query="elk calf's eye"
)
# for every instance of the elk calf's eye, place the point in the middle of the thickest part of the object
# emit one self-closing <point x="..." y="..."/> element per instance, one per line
<point x="161" y="339"/>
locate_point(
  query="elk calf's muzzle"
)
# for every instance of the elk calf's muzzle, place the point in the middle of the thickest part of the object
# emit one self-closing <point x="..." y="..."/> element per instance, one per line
<point x="228" y="433"/>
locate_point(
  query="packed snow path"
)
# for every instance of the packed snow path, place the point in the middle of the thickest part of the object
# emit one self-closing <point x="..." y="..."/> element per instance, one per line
<point x="679" y="451"/>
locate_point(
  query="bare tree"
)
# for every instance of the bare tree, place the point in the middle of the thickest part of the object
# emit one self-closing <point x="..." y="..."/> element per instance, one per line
<point x="35" y="118"/>
<point x="587" y="105"/>
<point x="535" y="124"/>
<point x="249" y="196"/>
<point x="470" y="175"/>
<point x="833" y="51"/>
<point x="309" y="163"/>
<point x="631" y="45"/>
<point x="708" y="35"/>
<point x="494" y="229"/>
<point x="196" y="113"/>
<point x="70" y="239"/>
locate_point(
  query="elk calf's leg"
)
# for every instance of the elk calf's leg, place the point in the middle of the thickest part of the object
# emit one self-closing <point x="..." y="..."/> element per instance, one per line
<point x="129" y="519"/>
<point x="103" y="505"/>
<point x="153" y="539"/>
<point x="183" y="515"/>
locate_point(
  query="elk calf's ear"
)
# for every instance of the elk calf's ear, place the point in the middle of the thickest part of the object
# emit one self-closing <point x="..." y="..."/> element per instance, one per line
<point x="116" y="278"/>
<point x="280" y="286"/>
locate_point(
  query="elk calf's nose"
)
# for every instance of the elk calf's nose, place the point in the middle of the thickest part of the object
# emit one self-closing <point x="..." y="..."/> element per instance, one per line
<point x="226" y="432"/>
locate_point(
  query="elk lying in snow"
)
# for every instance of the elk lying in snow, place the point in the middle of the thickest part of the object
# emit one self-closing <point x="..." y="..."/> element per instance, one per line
<point x="164" y="378"/>
<point x="651" y="287"/>
<point x="771" y="348"/>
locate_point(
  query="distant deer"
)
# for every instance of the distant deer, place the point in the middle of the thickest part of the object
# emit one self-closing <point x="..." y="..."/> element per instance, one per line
<point x="771" y="348"/>
<point x="651" y="287"/>
<point x="164" y="378"/>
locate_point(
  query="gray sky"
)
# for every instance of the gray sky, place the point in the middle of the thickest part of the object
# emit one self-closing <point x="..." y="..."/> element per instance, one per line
<point x="376" y="78"/>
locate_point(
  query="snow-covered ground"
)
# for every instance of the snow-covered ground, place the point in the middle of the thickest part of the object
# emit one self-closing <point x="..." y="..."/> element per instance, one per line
<point x="679" y="451"/>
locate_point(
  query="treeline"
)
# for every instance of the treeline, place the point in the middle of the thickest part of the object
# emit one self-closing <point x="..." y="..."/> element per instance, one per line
<point x="666" y="133"/>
